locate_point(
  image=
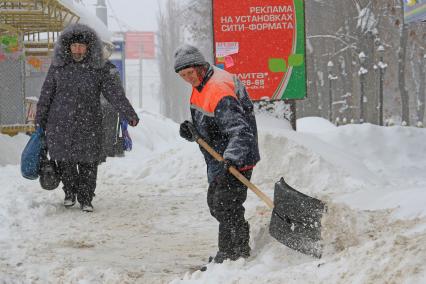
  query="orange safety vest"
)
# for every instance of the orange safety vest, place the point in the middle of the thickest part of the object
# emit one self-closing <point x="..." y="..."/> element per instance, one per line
<point x="220" y="85"/>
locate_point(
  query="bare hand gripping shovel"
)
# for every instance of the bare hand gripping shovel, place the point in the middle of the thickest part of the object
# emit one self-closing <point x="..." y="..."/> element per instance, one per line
<point x="296" y="217"/>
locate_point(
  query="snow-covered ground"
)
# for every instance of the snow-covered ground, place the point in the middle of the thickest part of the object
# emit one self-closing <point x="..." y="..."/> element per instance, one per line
<point x="151" y="222"/>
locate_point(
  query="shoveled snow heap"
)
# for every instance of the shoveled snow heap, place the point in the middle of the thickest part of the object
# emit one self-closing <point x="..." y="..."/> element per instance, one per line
<point x="151" y="222"/>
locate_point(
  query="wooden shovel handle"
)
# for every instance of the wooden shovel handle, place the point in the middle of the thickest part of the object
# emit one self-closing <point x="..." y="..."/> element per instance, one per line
<point x="237" y="174"/>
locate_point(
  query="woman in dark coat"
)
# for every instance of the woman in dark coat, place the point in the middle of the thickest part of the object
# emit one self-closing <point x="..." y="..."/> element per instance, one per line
<point x="69" y="110"/>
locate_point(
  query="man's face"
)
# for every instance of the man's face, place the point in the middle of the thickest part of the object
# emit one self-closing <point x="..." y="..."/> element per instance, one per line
<point x="78" y="51"/>
<point x="190" y="75"/>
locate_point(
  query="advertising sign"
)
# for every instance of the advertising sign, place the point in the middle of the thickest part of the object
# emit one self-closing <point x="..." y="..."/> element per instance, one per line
<point x="10" y="48"/>
<point x="120" y="67"/>
<point x="140" y="44"/>
<point x="263" y="43"/>
<point x="117" y="58"/>
<point x="118" y="46"/>
<point x="414" y="11"/>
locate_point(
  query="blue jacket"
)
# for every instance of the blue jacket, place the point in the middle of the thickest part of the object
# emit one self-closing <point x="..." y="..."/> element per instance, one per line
<point x="222" y="113"/>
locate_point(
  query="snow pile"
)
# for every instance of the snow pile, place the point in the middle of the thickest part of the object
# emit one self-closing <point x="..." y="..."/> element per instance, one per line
<point x="151" y="222"/>
<point x="11" y="148"/>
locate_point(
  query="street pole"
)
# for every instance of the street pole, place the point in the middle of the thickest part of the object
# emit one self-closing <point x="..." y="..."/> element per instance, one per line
<point x="102" y="12"/>
<point x="140" y="76"/>
<point x="293" y="114"/>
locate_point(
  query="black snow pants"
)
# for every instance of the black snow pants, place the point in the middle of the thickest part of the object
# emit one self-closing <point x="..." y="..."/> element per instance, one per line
<point x="225" y="200"/>
<point x="80" y="179"/>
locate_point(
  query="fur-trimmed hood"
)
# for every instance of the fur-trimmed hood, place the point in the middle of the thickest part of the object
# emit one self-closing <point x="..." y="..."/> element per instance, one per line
<point x="62" y="54"/>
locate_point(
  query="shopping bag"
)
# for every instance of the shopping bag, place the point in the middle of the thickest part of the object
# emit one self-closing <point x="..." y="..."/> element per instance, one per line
<point x="30" y="157"/>
<point x="127" y="140"/>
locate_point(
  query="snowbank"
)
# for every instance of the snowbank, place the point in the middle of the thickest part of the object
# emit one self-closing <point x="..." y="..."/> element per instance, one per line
<point x="314" y="125"/>
<point x="151" y="223"/>
<point x="11" y="148"/>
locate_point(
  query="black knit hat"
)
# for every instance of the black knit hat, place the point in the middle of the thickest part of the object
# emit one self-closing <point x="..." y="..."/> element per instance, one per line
<point x="188" y="56"/>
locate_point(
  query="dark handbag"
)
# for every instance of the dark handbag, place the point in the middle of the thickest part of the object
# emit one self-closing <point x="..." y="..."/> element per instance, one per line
<point x="49" y="172"/>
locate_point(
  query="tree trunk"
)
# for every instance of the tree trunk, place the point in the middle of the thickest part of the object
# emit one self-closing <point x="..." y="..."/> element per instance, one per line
<point x="371" y="113"/>
<point x="405" y="110"/>
<point x="173" y="92"/>
<point x="421" y="93"/>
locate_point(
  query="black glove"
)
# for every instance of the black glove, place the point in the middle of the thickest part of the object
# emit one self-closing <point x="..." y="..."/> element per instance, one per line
<point x="224" y="166"/>
<point x="187" y="131"/>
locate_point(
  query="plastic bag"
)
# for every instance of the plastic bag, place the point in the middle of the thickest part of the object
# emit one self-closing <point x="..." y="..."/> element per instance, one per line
<point x="30" y="157"/>
<point x="127" y="140"/>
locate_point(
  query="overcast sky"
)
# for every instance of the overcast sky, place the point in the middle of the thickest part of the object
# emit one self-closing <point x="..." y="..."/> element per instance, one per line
<point x="129" y="14"/>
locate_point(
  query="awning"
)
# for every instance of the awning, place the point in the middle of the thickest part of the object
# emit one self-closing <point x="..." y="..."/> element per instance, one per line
<point x="32" y="17"/>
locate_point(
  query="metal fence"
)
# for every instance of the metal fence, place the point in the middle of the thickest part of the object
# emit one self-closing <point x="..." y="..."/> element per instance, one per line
<point x="33" y="83"/>
<point x="12" y="91"/>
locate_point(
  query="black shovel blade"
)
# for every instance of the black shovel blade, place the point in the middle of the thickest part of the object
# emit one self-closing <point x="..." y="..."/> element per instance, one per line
<point x="296" y="219"/>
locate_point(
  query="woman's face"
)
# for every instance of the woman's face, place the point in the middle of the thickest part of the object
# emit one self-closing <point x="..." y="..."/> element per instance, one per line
<point x="78" y="51"/>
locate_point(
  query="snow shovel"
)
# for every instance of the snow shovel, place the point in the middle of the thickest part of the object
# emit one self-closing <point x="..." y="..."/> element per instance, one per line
<point x="296" y="217"/>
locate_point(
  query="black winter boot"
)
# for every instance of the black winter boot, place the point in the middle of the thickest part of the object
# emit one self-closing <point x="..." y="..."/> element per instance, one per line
<point x="86" y="207"/>
<point x="224" y="243"/>
<point x="240" y="241"/>
<point x="221" y="257"/>
<point x="85" y="197"/>
<point x="69" y="200"/>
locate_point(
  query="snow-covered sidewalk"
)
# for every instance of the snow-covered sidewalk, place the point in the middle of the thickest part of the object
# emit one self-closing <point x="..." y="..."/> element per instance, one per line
<point x="151" y="222"/>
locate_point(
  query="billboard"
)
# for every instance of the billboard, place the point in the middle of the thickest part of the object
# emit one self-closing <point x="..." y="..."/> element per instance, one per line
<point x="117" y="58"/>
<point x="414" y="11"/>
<point x="140" y="44"/>
<point x="263" y="43"/>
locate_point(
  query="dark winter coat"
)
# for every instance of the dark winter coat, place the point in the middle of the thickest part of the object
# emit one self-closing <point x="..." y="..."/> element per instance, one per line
<point x="222" y="113"/>
<point x="69" y="108"/>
